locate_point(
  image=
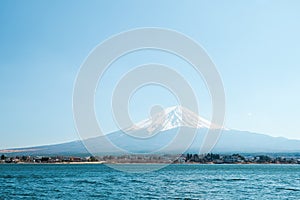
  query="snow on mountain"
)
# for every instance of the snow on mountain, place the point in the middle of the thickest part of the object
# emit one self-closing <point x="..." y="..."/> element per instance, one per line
<point x="172" y="117"/>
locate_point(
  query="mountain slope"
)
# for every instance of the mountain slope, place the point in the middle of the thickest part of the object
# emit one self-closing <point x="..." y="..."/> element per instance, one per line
<point x="230" y="141"/>
<point x="162" y="130"/>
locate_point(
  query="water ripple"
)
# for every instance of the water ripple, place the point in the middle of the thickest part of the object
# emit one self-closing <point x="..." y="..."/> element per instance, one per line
<point x="173" y="182"/>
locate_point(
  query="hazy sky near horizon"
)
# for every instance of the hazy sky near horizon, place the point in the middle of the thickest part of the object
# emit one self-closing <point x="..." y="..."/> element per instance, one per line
<point x="254" y="44"/>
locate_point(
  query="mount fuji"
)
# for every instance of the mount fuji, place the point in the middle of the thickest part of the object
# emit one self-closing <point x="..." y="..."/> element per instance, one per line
<point x="153" y="135"/>
<point x="172" y="117"/>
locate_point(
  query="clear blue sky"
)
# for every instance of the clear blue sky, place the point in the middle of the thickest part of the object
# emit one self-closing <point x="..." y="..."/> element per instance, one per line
<point x="254" y="44"/>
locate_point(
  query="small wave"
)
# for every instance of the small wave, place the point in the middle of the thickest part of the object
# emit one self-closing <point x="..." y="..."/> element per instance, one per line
<point x="290" y="189"/>
<point x="97" y="196"/>
<point x="7" y="176"/>
<point x="218" y="179"/>
<point x="87" y="181"/>
<point x="237" y="179"/>
<point x="136" y="181"/>
<point x="231" y="179"/>
<point x="112" y="180"/>
<point x="16" y="176"/>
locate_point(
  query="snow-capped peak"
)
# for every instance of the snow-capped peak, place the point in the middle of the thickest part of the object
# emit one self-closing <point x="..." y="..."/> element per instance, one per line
<point x="169" y="118"/>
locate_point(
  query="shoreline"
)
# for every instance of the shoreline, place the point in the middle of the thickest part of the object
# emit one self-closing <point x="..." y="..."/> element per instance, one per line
<point x="102" y="163"/>
<point x="166" y="159"/>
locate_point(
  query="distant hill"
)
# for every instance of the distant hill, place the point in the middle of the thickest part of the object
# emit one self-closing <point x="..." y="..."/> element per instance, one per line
<point x="164" y="129"/>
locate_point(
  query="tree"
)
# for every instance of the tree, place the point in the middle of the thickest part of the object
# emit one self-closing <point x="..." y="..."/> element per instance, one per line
<point x="93" y="159"/>
<point x="24" y="158"/>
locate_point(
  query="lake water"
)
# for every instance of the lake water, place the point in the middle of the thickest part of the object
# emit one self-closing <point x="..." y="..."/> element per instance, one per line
<point x="175" y="181"/>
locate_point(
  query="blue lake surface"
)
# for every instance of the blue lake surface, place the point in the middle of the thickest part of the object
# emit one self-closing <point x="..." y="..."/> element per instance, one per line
<point x="173" y="182"/>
